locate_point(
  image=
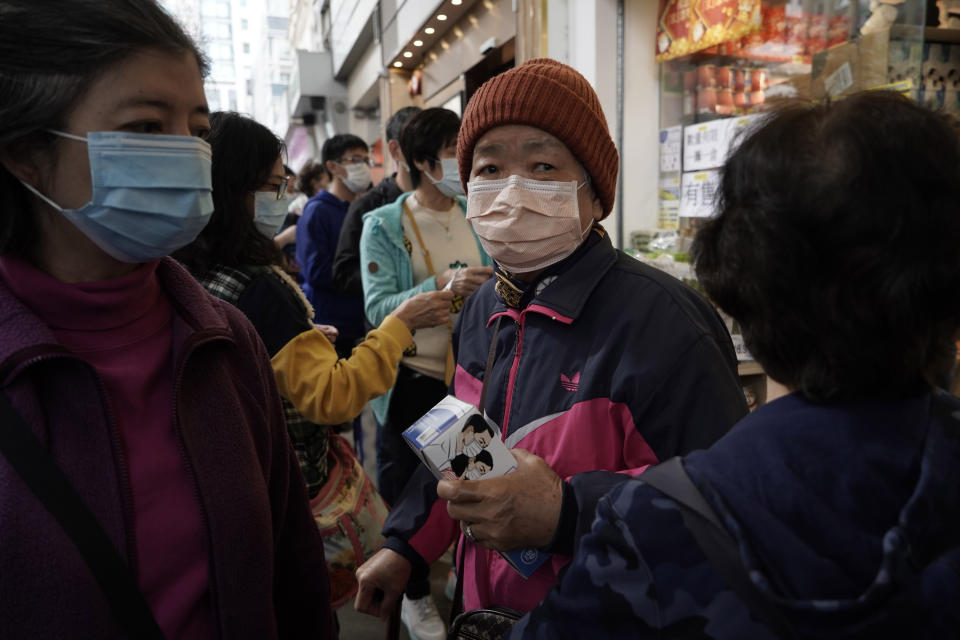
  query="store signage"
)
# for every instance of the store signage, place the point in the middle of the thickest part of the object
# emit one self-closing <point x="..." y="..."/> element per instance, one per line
<point x="707" y="145"/>
<point x="669" y="203"/>
<point x="698" y="194"/>
<point x="688" y="26"/>
<point x="671" y="141"/>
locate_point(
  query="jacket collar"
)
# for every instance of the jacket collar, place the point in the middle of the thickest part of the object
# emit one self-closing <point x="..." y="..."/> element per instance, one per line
<point x="23" y="335"/>
<point x="564" y="298"/>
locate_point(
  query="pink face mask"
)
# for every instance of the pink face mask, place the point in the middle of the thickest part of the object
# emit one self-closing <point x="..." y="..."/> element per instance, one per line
<point x="524" y="224"/>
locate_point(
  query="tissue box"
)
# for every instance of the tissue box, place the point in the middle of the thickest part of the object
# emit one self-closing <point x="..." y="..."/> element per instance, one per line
<point x="456" y="442"/>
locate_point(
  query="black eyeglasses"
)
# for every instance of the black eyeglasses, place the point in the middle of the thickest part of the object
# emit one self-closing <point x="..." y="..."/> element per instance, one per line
<point x="357" y="160"/>
<point x="282" y="187"/>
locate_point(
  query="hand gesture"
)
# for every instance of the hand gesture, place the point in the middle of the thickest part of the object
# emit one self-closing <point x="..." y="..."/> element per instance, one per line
<point x="382" y="580"/>
<point x="465" y="280"/>
<point x="427" y="309"/>
<point x="520" y="510"/>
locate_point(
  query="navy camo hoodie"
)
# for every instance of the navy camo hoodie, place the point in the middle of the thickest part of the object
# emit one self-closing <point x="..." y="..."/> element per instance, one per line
<point x="827" y="503"/>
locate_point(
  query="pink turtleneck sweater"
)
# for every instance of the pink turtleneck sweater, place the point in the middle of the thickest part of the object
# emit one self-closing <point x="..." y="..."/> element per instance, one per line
<point x="123" y="327"/>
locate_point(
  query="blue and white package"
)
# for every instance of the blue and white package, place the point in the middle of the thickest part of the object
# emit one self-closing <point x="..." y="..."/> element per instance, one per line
<point x="456" y="442"/>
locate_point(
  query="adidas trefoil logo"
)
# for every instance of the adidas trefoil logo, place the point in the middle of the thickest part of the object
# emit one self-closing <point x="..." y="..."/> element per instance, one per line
<point x="572" y="383"/>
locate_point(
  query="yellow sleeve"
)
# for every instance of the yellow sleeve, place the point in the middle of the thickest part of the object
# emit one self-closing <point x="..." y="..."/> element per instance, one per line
<point x="330" y="391"/>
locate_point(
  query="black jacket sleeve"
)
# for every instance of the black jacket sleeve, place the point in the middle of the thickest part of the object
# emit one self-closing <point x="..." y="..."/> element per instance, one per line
<point x="275" y="311"/>
<point x="346" y="261"/>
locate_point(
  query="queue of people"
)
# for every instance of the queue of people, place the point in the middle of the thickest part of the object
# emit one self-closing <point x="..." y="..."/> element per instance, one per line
<point x="178" y="403"/>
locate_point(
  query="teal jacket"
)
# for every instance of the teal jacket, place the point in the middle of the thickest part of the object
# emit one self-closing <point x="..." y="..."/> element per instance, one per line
<point x="387" y="273"/>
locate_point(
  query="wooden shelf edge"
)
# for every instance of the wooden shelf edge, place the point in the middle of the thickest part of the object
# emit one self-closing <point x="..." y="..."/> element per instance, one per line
<point x="749" y="368"/>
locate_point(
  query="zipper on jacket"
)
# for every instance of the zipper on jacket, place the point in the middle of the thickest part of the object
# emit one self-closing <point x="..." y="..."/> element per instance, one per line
<point x="189" y="345"/>
<point x="512" y="378"/>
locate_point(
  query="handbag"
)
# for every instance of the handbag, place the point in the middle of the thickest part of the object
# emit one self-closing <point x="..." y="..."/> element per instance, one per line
<point x="350" y="515"/>
<point x="40" y="472"/>
<point x="483" y="624"/>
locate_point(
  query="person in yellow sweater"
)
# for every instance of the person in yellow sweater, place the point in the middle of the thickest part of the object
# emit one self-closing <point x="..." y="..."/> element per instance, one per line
<point x="235" y="259"/>
<point x="330" y="390"/>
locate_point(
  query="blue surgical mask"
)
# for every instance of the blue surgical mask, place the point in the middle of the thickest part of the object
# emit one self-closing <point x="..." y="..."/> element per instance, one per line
<point x="268" y="212"/>
<point x="449" y="184"/>
<point x="151" y="193"/>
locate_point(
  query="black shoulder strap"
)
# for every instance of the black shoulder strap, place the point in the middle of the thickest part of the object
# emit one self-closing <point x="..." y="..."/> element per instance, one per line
<point x="671" y="479"/>
<point x="456" y="606"/>
<point x="29" y="458"/>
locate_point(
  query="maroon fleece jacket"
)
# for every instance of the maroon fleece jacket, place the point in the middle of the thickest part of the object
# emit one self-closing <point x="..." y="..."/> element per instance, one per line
<point x="268" y="576"/>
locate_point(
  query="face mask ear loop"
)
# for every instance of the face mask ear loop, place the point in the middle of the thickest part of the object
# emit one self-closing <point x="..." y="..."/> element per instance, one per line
<point x="42" y="197"/>
<point x="63" y="134"/>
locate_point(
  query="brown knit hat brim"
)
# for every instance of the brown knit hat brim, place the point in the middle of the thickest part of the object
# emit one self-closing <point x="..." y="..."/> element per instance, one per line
<point x="551" y="96"/>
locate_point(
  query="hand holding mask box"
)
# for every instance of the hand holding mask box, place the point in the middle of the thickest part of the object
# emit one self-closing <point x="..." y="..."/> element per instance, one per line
<point x="456" y="442"/>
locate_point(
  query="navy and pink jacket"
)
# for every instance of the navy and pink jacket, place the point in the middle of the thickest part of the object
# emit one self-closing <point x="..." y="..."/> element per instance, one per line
<point x="611" y="367"/>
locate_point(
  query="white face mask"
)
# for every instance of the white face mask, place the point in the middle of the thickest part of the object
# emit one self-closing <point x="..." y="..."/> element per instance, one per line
<point x="472" y="474"/>
<point x="358" y="177"/>
<point x="268" y="212"/>
<point x="471" y="450"/>
<point x="524" y="224"/>
<point x="449" y="183"/>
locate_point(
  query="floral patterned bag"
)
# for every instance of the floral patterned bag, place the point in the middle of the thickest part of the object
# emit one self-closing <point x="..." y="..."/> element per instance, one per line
<point x="350" y="515"/>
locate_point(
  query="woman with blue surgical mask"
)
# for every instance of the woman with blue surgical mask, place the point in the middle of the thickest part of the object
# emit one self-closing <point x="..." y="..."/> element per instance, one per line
<point x="235" y="259"/>
<point x="149" y="406"/>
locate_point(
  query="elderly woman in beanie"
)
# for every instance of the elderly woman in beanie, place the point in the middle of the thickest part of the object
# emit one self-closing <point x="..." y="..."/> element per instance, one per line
<point x="600" y="365"/>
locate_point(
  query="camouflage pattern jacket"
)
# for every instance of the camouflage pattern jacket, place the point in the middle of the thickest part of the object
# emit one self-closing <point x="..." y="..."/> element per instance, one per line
<point x="831" y="504"/>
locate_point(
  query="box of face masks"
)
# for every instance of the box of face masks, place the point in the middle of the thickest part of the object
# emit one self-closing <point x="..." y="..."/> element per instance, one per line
<point x="456" y="442"/>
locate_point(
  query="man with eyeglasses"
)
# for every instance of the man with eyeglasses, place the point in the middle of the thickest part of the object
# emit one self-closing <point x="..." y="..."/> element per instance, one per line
<point x="347" y="159"/>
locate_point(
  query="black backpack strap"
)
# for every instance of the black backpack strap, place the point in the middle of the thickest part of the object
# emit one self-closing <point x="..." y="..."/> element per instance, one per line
<point x="31" y="460"/>
<point x="720" y="548"/>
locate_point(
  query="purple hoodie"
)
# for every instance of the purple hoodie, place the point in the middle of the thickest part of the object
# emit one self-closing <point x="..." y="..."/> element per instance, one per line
<point x="268" y="576"/>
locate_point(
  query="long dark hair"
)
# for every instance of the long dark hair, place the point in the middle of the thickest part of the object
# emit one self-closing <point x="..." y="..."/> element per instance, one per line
<point x="51" y="51"/>
<point x="244" y="152"/>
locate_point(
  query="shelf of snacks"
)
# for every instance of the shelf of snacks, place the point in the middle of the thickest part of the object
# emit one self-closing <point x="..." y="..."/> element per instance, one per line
<point x="725" y="62"/>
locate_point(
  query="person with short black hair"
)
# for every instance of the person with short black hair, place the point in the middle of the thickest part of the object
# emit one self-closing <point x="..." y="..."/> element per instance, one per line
<point x="347" y="159"/>
<point x="835" y="247"/>
<point x="346" y="264"/>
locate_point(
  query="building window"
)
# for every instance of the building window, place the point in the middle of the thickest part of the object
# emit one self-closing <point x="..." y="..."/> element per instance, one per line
<point x="233" y="99"/>
<point x="215" y="9"/>
<point x="217" y="30"/>
<point x="246" y="47"/>
<point x="243" y="24"/>
<point x="285" y="78"/>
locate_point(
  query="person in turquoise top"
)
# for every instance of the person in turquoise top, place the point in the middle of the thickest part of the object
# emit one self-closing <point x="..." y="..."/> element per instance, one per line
<point x="420" y="242"/>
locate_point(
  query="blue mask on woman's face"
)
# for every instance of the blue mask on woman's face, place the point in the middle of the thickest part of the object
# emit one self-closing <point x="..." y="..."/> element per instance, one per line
<point x="151" y="193"/>
<point x="269" y="212"/>
<point x="449" y="183"/>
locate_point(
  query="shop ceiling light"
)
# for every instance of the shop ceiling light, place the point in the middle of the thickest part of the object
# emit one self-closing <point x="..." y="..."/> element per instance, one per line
<point x="407" y="54"/>
<point x="418" y="43"/>
<point x="456" y="3"/>
<point x="441" y="17"/>
<point x="398" y="64"/>
<point x="429" y="31"/>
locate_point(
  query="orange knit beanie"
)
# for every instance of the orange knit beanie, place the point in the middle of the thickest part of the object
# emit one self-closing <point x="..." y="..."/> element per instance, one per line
<point x="551" y="96"/>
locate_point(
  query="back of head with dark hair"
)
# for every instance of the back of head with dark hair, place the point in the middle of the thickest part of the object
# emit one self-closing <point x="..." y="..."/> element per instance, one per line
<point x="397" y="121"/>
<point x="836" y="245"/>
<point x="50" y="53"/>
<point x="485" y="457"/>
<point x="334" y="148"/>
<point x="422" y="138"/>
<point x="308" y="173"/>
<point x="244" y="152"/>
